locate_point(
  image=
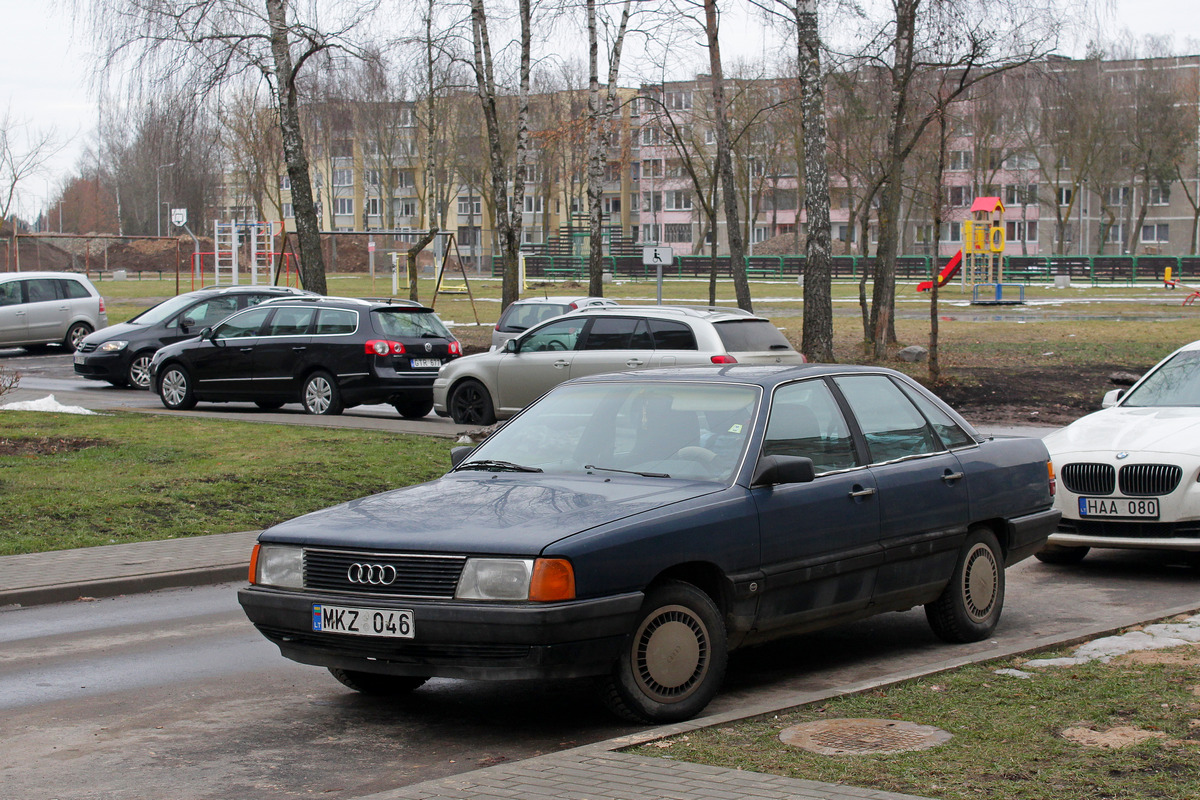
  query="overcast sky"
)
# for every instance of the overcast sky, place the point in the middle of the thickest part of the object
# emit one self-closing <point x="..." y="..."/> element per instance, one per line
<point x="45" y="72"/>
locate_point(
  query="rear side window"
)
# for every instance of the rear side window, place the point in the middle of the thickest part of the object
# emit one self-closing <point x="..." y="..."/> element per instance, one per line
<point x="408" y="323"/>
<point x="616" y="333"/>
<point x="73" y="290"/>
<point x="891" y="424"/>
<point x="290" y="321"/>
<point x="670" y="335"/>
<point x="519" y="317"/>
<point x="336" y="320"/>
<point x="41" y="290"/>
<point x="750" y="335"/>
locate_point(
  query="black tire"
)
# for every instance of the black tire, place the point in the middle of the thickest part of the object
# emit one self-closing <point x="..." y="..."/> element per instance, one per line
<point x="1057" y="554"/>
<point x="138" y="374"/>
<point x="414" y="406"/>
<point x="970" y="605"/>
<point x="375" y="684"/>
<point x="320" y="395"/>
<point x="470" y="404"/>
<point x="175" y="388"/>
<point x="76" y="334"/>
<point x="269" y="405"/>
<point x="674" y="659"/>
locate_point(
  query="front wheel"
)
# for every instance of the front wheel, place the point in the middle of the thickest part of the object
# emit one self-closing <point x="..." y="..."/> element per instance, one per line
<point x="138" y="375"/>
<point x="175" y="389"/>
<point x="674" y="660"/>
<point x="414" y="406"/>
<point x="76" y="334"/>
<point x="375" y="684"/>
<point x="320" y="395"/>
<point x="970" y="605"/>
<point x="470" y="404"/>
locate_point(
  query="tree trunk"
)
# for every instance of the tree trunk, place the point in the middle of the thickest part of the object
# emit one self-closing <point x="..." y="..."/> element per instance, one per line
<point x="737" y="248"/>
<point x="308" y="228"/>
<point x="596" y="160"/>
<point x="817" y="342"/>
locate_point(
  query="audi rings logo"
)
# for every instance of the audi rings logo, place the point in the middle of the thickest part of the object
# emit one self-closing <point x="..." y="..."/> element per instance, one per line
<point x="372" y="574"/>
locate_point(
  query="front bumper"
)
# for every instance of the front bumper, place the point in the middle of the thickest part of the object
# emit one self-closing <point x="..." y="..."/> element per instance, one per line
<point x="481" y="641"/>
<point x="101" y="366"/>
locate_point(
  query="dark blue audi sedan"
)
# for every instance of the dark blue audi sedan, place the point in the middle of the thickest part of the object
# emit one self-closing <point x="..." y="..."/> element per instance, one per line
<point x="638" y="527"/>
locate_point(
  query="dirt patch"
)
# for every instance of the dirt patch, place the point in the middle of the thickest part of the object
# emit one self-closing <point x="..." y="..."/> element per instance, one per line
<point x="1034" y="395"/>
<point x="1176" y="657"/>
<point x="1120" y="736"/>
<point x="47" y="445"/>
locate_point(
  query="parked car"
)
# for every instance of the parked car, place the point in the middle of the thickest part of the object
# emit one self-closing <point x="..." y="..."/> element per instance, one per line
<point x="482" y="388"/>
<point x="120" y="354"/>
<point x="522" y="315"/>
<point x="1128" y="473"/>
<point x="40" y="308"/>
<point x="328" y="353"/>
<point x="638" y="526"/>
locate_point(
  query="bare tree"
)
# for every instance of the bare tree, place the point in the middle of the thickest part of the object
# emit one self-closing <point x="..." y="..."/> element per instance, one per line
<point x="23" y="154"/>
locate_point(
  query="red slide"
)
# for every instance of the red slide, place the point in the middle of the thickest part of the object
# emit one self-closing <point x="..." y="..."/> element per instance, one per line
<point x="948" y="272"/>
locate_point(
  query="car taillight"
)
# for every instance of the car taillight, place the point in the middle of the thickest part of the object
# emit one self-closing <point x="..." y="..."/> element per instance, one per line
<point x="382" y="347"/>
<point x="455" y="348"/>
<point x="726" y="359"/>
<point x="1053" y="482"/>
<point x="101" y="305"/>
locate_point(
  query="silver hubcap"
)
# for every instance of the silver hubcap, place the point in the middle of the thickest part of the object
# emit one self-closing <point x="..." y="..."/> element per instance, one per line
<point x="174" y="387"/>
<point x="77" y="336"/>
<point x="671" y="655"/>
<point x="981" y="576"/>
<point x="139" y="372"/>
<point x="318" y="395"/>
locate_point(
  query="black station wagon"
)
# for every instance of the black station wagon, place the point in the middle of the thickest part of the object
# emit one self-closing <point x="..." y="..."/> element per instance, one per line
<point x="639" y="526"/>
<point x="328" y="353"/>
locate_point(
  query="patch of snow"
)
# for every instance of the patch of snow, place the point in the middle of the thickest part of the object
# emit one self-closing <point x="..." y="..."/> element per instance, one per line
<point x="1152" y="637"/>
<point x="47" y="403"/>
<point x="1013" y="673"/>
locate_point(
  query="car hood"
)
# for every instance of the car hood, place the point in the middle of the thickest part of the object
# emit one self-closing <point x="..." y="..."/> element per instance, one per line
<point x="122" y="330"/>
<point x="484" y="512"/>
<point x="1134" y="430"/>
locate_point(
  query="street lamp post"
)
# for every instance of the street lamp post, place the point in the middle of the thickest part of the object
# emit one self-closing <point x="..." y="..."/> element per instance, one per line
<point x="158" y="195"/>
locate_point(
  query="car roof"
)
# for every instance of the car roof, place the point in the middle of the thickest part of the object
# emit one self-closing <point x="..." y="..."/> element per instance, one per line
<point x="354" y="303"/>
<point x="218" y="289"/>
<point x="710" y="313"/>
<point x="42" y="274"/>
<point x="766" y="376"/>
<point x="565" y="300"/>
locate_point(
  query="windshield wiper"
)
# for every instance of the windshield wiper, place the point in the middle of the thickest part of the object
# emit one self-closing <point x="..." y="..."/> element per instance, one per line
<point x="499" y="466"/>
<point x="628" y="471"/>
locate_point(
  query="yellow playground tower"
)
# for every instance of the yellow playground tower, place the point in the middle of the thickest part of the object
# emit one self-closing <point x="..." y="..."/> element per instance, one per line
<point x="983" y="254"/>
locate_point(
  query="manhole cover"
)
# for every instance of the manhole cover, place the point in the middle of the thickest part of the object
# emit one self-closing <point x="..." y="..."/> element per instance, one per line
<point x="838" y="737"/>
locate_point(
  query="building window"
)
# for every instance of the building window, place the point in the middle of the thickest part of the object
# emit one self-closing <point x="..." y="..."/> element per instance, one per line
<point x="677" y="100"/>
<point x="288" y="213"/>
<point x="651" y="135"/>
<point x="677" y="232"/>
<point x="679" y="200"/>
<point x="408" y="117"/>
<point x="372" y="177"/>
<point x="1020" y="195"/>
<point x="468" y="206"/>
<point x="405" y="208"/>
<point x="650" y="234"/>
<point x="343" y="205"/>
<point x="285" y="181"/>
<point x="1065" y="195"/>
<point x="958" y="196"/>
<point x="951" y="232"/>
<point x="652" y="168"/>
<point x="652" y="201"/>
<point x="959" y="160"/>
<point x="1159" y="233"/>
<point x="1021" y="230"/>
<point x="1118" y="196"/>
<point x="402" y="179"/>
<point x="612" y="205"/>
<point x="1160" y="194"/>
<point x="372" y="206"/>
<point x="1115" y="234"/>
<point x="343" y="177"/>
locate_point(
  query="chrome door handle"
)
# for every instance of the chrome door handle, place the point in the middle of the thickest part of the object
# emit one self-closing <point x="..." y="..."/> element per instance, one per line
<point x="299" y="349"/>
<point x="950" y="477"/>
<point x="561" y="364"/>
<point x="863" y="492"/>
<point x="634" y="362"/>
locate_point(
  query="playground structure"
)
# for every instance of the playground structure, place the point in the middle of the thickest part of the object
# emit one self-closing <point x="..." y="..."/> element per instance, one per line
<point x="980" y="261"/>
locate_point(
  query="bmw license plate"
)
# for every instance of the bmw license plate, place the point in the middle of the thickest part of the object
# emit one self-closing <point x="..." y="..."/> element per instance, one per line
<point x="1142" y="508"/>
<point x="391" y="622"/>
<point x="426" y="363"/>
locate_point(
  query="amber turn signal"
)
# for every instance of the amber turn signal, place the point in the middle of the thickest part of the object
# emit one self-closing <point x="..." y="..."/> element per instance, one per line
<point x="553" y="579"/>
<point x="1053" y="482"/>
<point x="254" y="564"/>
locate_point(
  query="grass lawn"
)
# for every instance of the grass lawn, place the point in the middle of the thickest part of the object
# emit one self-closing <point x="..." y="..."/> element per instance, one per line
<point x="78" y="481"/>
<point x="1013" y="738"/>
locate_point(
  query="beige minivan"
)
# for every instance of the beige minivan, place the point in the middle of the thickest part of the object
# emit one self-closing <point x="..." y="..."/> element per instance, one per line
<point x="39" y="308"/>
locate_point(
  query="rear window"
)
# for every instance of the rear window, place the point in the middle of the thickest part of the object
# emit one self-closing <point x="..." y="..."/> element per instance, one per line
<point x="519" y="317"/>
<point x="73" y="290"/>
<point x="750" y="335"/>
<point x="406" y="322"/>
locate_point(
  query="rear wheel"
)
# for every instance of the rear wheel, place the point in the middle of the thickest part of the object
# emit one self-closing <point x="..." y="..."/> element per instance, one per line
<point x="175" y="389"/>
<point x="1057" y="554"/>
<point x="414" y="406"/>
<point x="76" y="334"/>
<point x="138" y="375"/>
<point x="674" y="660"/>
<point x="970" y="605"/>
<point x="470" y="404"/>
<point x="375" y="684"/>
<point x="320" y="395"/>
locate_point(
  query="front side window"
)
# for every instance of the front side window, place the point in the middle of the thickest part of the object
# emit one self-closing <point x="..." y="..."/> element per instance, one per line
<point x="243" y="325"/>
<point x="290" y="321"/>
<point x="10" y="293"/>
<point x="806" y="422"/>
<point x="41" y="290"/>
<point x="209" y="312"/>
<point x="560" y="335"/>
<point x="891" y="424"/>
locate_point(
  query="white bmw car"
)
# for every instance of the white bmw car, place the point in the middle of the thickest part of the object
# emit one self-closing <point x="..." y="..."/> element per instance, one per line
<point x="1128" y="474"/>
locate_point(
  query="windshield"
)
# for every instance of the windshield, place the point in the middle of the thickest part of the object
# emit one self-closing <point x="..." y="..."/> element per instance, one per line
<point x="1175" y="383"/>
<point x="400" y="322"/>
<point x="163" y="311"/>
<point x="695" y="431"/>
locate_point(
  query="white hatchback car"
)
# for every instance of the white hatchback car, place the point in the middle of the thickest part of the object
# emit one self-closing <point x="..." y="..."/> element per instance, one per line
<point x="482" y="388"/>
<point x="38" y="308"/>
<point x="1127" y="474"/>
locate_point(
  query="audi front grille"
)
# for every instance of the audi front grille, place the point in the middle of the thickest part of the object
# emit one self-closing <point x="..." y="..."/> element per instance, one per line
<point x="1089" y="479"/>
<point x="384" y="574"/>
<point x="1149" y="480"/>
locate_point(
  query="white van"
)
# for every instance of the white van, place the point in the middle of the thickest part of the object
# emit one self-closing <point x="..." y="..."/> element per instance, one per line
<point x="38" y="308"/>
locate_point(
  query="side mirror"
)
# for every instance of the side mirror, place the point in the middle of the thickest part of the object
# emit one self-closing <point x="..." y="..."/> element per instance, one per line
<point x="1111" y="397"/>
<point x="206" y="333"/>
<point x="773" y="470"/>
<point x="510" y="345"/>
<point x="459" y="454"/>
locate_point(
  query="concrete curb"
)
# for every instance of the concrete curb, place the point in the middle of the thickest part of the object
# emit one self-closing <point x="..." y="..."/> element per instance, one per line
<point x="112" y="587"/>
